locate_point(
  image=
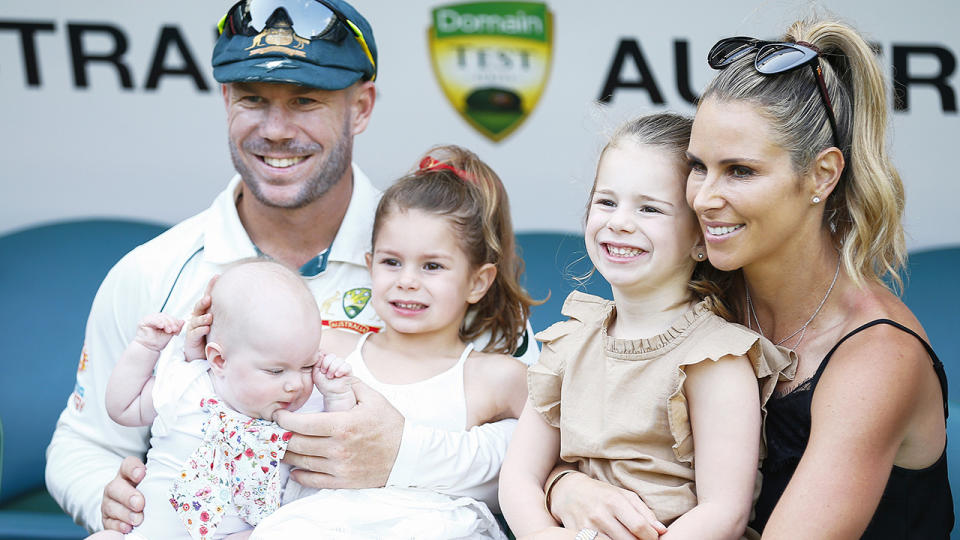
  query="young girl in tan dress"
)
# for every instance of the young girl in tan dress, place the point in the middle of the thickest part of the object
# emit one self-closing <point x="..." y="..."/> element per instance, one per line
<point x="654" y="392"/>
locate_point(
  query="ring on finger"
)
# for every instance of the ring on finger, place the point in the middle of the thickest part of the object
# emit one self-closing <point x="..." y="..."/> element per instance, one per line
<point x="586" y="534"/>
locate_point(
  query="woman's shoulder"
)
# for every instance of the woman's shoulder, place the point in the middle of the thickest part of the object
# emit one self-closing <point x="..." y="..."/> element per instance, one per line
<point x="880" y="344"/>
<point x="876" y="326"/>
<point x="882" y="383"/>
<point x="885" y="345"/>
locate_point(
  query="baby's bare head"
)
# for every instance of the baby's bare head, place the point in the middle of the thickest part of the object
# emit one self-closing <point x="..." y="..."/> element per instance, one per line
<point x="263" y="304"/>
<point x="264" y="339"/>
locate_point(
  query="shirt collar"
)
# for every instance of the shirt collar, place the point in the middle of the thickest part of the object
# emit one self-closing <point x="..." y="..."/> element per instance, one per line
<point x="225" y="240"/>
<point x="353" y="239"/>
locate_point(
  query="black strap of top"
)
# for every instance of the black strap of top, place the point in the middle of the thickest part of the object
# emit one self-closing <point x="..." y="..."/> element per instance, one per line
<point x="937" y="365"/>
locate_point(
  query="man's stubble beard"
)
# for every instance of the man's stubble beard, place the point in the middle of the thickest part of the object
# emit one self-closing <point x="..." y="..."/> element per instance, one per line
<point x="337" y="162"/>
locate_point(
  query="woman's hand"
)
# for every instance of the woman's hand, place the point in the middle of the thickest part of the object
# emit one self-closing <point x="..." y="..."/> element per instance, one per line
<point x="578" y="501"/>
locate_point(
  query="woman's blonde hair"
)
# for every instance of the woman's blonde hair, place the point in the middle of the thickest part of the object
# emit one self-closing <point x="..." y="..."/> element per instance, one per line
<point x="864" y="211"/>
<point x="459" y="186"/>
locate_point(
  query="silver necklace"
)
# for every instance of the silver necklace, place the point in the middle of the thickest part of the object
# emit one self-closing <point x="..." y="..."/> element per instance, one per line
<point x="803" y="329"/>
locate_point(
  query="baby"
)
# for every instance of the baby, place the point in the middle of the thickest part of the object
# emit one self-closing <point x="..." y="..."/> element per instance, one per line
<point x="213" y="468"/>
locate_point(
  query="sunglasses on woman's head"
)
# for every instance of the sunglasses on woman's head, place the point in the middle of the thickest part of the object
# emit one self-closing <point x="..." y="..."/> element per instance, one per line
<point x="773" y="58"/>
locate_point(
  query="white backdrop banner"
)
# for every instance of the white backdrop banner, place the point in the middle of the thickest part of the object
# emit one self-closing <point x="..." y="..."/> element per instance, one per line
<point x="109" y="107"/>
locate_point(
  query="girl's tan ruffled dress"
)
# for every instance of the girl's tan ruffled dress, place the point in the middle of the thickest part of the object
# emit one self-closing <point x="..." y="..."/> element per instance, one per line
<point x="620" y="404"/>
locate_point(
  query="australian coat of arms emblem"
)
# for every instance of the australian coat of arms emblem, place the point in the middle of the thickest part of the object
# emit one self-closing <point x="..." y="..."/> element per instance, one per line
<point x="278" y="37"/>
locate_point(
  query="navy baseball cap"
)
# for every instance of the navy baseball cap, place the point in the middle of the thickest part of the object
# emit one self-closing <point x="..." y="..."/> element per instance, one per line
<point x="323" y="44"/>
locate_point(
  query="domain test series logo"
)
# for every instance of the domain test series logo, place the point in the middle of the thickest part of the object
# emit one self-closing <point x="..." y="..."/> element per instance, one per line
<point x="492" y="60"/>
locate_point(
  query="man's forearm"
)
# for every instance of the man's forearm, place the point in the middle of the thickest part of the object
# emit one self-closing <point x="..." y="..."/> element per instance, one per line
<point x="77" y="471"/>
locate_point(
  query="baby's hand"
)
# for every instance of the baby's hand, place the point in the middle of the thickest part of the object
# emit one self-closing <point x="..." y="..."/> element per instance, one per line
<point x="199" y="326"/>
<point x="156" y="330"/>
<point x="332" y="377"/>
<point x="332" y="366"/>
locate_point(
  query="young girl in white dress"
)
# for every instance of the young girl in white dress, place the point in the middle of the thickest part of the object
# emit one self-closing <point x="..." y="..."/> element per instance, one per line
<point x="653" y="394"/>
<point x="444" y="272"/>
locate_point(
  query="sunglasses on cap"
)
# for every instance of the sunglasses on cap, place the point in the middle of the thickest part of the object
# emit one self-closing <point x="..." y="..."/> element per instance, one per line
<point x="312" y="19"/>
<point x="772" y="58"/>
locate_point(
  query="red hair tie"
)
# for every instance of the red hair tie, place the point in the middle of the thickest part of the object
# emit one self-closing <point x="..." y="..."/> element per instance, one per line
<point x="430" y="164"/>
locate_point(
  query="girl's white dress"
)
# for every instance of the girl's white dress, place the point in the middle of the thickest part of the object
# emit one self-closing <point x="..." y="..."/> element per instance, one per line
<point x="390" y="512"/>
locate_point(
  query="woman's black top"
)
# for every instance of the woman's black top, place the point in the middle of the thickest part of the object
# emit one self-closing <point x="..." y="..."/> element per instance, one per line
<point x="916" y="502"/>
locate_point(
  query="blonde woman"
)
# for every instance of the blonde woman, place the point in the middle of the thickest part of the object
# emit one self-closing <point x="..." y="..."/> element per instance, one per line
<point x="794" y="189"/>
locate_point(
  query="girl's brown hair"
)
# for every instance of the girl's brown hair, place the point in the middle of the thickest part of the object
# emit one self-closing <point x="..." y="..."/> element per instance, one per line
<point x="456" y="184"/>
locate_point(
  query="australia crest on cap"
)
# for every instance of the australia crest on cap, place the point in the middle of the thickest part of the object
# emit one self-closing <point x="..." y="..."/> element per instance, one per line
<point x="278" y="37"/>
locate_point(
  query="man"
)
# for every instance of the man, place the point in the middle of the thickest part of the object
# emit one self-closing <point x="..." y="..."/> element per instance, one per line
<point x="297" y="85"/>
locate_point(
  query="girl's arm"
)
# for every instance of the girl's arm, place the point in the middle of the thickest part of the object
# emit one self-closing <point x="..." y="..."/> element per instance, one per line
<point x="533" y="451"/>
<point x="578" y="501"/>
<point x="724" y="409"/>
<point x="129" y="392"/>
<point x="877" y="388"/>
<point x="530" y="461"/>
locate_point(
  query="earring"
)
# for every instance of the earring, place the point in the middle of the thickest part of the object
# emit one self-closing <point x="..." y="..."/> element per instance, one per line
<point x="698" y="254"/>
<point x="815" y="199"/>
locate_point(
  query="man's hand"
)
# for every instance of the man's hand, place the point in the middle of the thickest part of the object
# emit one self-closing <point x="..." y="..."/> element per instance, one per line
<point x="122" y="506"/>
<point x="348" y="449"/>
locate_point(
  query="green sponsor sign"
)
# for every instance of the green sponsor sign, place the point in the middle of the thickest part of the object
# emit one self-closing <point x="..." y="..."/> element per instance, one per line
<point x="492" y="60"/>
